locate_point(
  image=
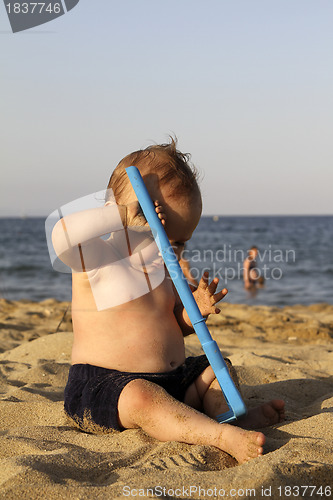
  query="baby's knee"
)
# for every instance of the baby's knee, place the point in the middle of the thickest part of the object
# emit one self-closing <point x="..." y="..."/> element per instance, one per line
<point x="138" y="394"/>
<point x="135" y="402"/>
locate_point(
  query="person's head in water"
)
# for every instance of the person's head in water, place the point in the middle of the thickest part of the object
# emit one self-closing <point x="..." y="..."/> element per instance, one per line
<point x="253" y="253"/>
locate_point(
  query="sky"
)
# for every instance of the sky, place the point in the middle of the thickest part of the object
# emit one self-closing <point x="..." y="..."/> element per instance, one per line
<point x="245" y="85"/>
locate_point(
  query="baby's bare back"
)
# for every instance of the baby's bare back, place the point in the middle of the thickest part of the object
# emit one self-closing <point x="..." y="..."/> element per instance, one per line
<point x="139" y="336"/>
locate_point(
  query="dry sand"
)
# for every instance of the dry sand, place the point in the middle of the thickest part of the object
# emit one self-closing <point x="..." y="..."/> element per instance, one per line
<point x="279" y="353"/>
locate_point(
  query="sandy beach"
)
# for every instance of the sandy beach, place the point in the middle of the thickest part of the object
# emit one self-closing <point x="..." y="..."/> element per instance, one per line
<point x="278" y="353"/>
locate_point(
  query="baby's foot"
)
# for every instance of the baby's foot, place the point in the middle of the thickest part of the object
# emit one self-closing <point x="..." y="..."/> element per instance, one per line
<point x="267" y="414"/>
<point x="241" y="444"/>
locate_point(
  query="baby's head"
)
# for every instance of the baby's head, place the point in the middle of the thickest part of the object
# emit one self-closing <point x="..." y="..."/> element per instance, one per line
<point x="161" y="166"/>
<point x="171" y="179"/>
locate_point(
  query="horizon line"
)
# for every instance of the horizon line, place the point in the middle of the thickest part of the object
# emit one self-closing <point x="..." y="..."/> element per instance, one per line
<point x="26" y="216"/>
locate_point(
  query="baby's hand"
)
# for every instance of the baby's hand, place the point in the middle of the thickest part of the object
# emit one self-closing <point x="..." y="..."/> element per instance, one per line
<point x="159" y="211"/>
<point x="135" y="217"/>
<point x="205" y="295"/>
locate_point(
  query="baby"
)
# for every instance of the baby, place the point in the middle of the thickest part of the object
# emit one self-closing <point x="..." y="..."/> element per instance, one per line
<point x="129" y="368"/>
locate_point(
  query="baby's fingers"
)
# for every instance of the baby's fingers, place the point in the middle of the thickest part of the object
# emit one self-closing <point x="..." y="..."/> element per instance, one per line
<point x="159" y="211"/>
<point x="203" y="283"/>
<point x="220" y="295"/>
<point x="213" y="285"/>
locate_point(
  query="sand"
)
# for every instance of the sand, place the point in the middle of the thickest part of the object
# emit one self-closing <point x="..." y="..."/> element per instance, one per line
<point x="278" y="353"/>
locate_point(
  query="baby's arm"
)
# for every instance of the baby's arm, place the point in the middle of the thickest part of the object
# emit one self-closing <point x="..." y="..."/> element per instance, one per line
<point x="206" y="298"/>
<point x="184" y="264"/>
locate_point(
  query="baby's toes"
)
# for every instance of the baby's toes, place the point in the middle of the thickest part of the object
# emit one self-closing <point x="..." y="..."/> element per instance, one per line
<point x="255" y="444"/>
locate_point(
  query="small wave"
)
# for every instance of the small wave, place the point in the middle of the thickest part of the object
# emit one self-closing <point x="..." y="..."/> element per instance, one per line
<point x="20" y="268"/>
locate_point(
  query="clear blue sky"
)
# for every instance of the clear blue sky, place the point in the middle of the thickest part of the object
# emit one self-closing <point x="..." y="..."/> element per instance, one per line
<point x="246" y="85"/>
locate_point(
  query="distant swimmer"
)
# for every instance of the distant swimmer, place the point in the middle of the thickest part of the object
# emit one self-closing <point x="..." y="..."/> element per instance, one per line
<point x="250" y="272"/>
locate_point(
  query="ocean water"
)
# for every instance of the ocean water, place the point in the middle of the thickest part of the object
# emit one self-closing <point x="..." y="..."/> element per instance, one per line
<point x="295" y="257"/>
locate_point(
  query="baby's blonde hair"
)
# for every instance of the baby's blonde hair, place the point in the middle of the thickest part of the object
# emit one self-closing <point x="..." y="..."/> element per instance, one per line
<point x="164" y="160"/>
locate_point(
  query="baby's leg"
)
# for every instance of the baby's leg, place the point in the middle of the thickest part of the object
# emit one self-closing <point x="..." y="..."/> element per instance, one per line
<point x="147" y="405"/>
<point x="205" y="393"/>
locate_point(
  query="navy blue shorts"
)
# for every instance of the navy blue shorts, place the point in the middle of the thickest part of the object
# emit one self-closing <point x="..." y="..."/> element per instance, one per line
<point x="92" y="392"/>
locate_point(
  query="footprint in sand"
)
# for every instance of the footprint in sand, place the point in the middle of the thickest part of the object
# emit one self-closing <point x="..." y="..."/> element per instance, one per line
<point x="196" y="458"/>
<point x="187" y="460"/>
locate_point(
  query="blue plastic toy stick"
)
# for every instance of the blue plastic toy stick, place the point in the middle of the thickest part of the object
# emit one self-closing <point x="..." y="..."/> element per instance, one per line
<point x="210" y="347"/>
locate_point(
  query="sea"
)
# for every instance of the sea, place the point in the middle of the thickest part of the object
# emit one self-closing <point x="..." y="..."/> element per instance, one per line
<point x="295" y="259"/>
